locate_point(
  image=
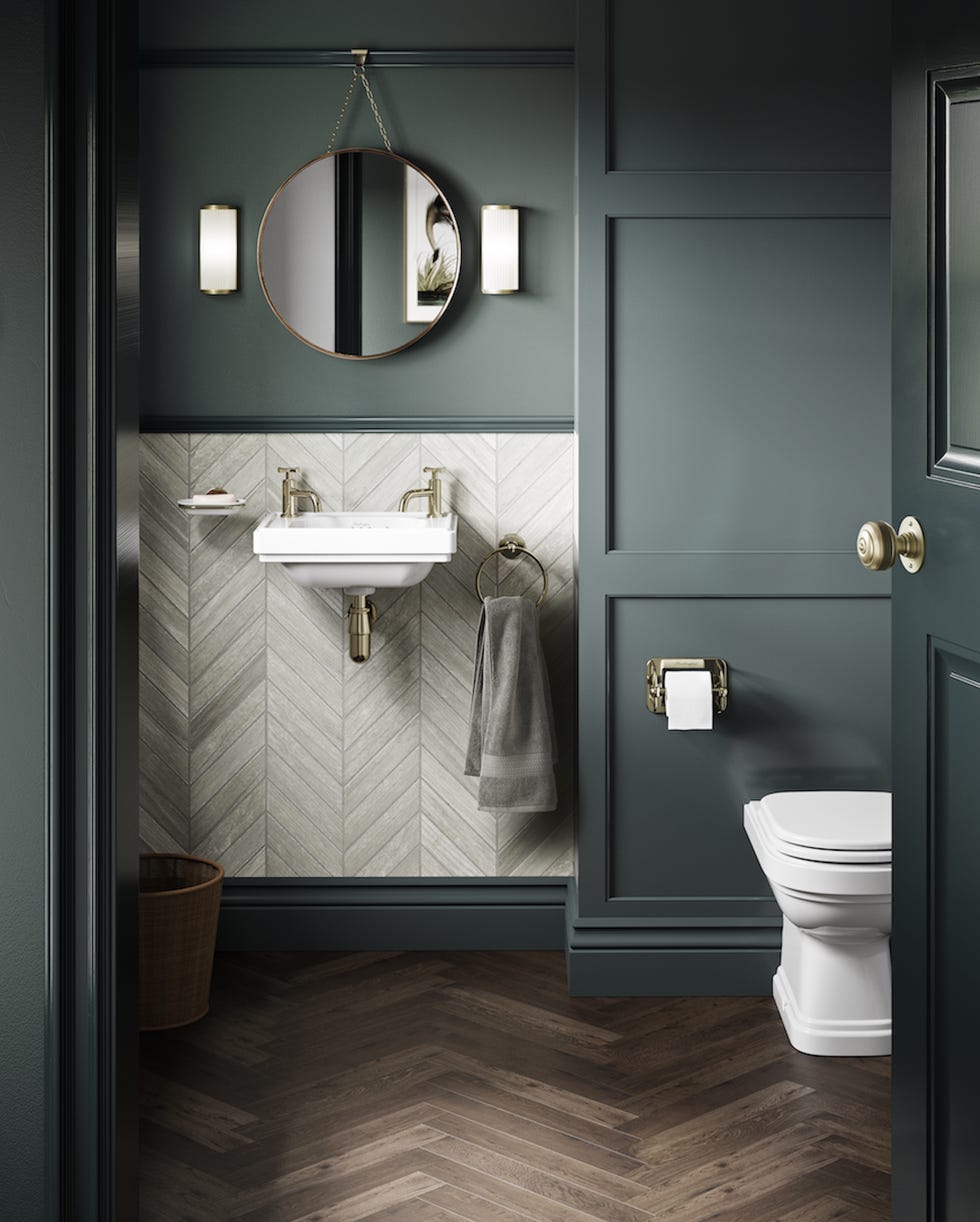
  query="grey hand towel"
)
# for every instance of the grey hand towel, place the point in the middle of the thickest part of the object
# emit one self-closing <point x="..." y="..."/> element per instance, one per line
<point x="512" y="733"/>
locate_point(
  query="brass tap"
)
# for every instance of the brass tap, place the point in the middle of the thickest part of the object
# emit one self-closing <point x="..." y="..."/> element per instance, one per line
<point x="291" y="494"/>
<point x="433" y="493"/>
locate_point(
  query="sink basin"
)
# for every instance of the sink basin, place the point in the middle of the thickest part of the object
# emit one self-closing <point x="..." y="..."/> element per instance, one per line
<point x="357" y="552"/>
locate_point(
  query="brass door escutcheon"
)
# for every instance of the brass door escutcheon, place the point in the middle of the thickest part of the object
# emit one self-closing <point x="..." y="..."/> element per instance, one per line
<point x="879" y="545"/>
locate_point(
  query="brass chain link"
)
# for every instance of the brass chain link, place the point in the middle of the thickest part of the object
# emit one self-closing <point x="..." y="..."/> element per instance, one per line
<point x="374" y="107"/>
<point x="343" y="111"/>
<point x="359" y="75"/>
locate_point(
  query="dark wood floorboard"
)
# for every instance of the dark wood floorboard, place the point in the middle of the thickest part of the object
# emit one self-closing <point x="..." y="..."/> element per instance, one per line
<point x="435" y="1087"/>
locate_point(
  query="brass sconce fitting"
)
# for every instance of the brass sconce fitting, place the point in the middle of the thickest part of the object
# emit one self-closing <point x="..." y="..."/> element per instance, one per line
<point x="218" y="261"/>
<point x="361" y="614"/>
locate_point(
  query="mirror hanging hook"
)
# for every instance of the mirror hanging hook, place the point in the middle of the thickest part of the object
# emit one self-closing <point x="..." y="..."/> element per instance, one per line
<point x="360" y="55"/>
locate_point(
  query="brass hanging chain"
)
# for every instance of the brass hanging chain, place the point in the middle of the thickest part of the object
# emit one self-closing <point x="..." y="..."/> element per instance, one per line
<point x="359" y="75"/>
<point x="374" y="106"/>
<point x="343" y="111"/>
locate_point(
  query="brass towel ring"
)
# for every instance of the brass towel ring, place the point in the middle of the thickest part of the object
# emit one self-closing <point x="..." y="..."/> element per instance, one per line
<point x="512" y="546"/>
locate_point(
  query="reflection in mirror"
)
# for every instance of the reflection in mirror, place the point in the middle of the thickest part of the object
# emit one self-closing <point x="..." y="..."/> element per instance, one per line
<point x="359" y="253"/>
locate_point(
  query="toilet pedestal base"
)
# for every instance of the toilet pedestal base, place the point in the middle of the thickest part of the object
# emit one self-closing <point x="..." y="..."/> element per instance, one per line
<point x="833" y="991"/>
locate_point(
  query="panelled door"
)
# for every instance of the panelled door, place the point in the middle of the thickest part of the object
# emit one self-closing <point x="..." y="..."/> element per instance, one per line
<point x="936" y="661"/>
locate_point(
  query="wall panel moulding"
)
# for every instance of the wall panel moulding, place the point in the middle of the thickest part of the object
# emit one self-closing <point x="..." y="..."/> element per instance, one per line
<point x="561" y="57"/>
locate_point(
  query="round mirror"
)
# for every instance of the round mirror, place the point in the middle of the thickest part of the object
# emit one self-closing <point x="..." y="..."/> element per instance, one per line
<point x="359" y="253"/>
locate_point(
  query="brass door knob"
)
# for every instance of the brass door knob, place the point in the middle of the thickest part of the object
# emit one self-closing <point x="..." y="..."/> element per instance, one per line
<point x="879" y="546"/>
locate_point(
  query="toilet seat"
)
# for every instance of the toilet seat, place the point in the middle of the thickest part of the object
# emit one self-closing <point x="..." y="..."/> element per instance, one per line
<point x="852" y="827"/>
<point x="805" y="868"/>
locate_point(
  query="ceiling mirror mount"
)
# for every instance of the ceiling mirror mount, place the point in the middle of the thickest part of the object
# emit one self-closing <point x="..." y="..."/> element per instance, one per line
<point x="359" y="250"/>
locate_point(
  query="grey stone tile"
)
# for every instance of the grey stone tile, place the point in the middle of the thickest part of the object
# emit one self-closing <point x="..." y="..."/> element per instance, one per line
<point x="379" y="468"/>
<point x="218" y="557"/>
<point x="219" y="727"/>
<point x="393" y="831"/>
<point x="300" y="844"/>
<point x="155" y="671"/>
<point x="382" y="777"/>
<point x="450" y="818"/>
<point x="155" y="837"/>
<point x="307" y="718"/>
<point x="320" y="768"/>
<point x="163" y="792"/>
<point x="448" y="856"/>
<point x="165" y="531"/>
<point x="300" y="621"/>
<point x="167" y="616"/>
<point x="248" y="581"/>
<point x="159" y="582"/>
<point x="211" y="676"/>
<point x="374" y="724"/>
<point x="232" y="808"/>
<point x="171" y="649"/>
<point x="212" y="780"/>
<point x="236" y="855"/>
<point x="164" y="722"/>
<point x="541" y="846"/>
<point x="256" y="867"/>
<point x="165" y="457"/>
<point x="233" y="461"/>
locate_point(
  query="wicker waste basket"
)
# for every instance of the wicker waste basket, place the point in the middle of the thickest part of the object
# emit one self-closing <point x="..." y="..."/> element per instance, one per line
<point x="179" y="899"/>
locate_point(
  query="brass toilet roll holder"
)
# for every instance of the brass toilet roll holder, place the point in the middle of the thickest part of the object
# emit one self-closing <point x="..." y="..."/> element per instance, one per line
<point x="658" y="667"/>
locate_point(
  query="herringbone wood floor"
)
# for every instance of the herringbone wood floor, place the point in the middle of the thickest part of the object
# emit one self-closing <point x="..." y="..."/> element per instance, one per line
<point x="425" y="1087"/>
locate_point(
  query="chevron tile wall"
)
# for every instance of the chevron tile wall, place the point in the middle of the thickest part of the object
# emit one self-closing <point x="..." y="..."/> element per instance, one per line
<point x="262" y="744"/>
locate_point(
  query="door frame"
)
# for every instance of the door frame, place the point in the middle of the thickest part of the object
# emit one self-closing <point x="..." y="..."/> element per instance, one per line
<point x="91" y="483"/>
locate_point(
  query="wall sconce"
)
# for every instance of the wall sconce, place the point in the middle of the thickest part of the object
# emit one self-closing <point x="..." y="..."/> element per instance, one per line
<point x="500" y="247"/>
<point x="219" y="249"/>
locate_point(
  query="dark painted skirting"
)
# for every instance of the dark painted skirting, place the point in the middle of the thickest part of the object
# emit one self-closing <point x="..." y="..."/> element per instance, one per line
<point x="606" y="958"/>
<point x="664" y="957"/>
<point x="256" y="58"/>
<point x="282" y="914"/>
<point x="357" y="424"/>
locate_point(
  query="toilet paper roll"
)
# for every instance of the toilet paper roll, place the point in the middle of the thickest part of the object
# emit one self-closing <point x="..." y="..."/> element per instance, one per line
<point x="688" y="699"/>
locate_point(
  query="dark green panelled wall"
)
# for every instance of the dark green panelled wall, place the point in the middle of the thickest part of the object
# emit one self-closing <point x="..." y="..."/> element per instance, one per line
<point x="733" y="424"/>
<point x="22" y="614"/>
<point x="384" y="25"/>
<point x="231" y="134"/>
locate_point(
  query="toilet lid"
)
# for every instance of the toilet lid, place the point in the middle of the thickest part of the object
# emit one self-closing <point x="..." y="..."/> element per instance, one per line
<point x="837" y="825"/>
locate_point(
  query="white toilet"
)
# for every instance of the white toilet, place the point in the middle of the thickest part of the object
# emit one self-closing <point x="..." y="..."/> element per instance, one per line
<point x="828" y="859"/>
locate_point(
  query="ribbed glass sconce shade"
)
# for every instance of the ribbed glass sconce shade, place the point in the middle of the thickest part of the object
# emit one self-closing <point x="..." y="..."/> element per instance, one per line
<point x="500" y="270"/>
<point x="219" y="249"/>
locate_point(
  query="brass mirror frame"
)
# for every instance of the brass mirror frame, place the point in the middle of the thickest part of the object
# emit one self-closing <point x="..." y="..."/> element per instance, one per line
<point x="350" y="356"/>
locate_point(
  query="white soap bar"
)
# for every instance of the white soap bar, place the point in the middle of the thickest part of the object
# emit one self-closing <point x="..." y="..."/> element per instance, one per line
<point x="214" y="498"/>
<point x="688" y="699"/>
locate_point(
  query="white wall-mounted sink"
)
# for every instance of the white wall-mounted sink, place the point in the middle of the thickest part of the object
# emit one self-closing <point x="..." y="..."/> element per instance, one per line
<point x="357" y="552"/>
